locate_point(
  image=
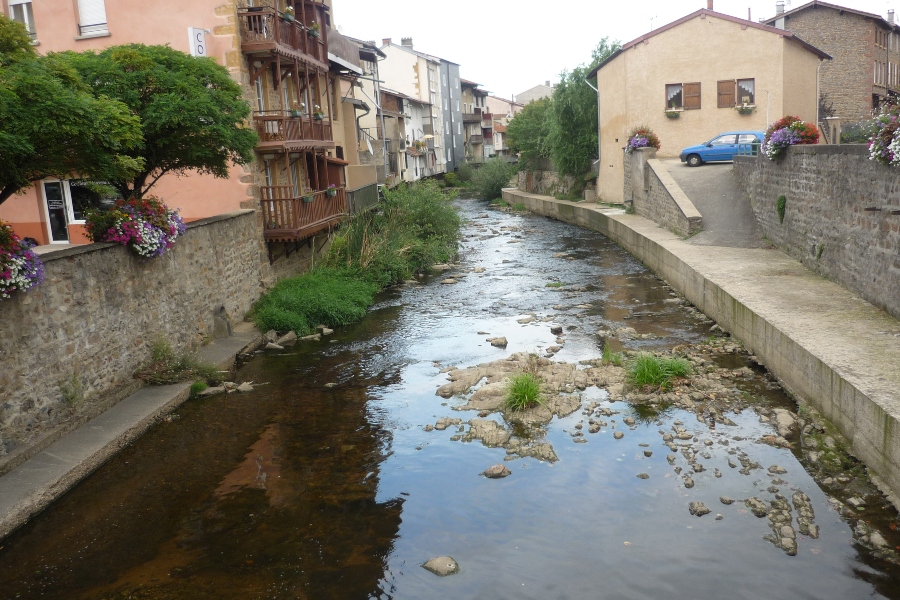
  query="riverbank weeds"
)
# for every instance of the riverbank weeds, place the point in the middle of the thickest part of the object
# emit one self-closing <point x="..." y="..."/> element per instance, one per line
<point x="718" y="383"/>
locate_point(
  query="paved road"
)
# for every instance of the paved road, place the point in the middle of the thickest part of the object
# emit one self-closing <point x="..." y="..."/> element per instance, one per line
<point x="727" y="217"/>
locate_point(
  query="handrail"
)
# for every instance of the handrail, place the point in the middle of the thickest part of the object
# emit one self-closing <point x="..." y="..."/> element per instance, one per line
<point x="288" y="216"/>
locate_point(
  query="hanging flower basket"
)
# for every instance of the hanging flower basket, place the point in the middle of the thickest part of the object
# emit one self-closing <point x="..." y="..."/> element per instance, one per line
<point x="146" y="225"/>
<point x="288" y="14"/>
<point x="313" y="30"/>
<point x="20" y="267"/>
<point x="308" y="198"/>
<point x="673" y="114"/>
<point x="745" y="109"/>
<point x="331" y="192"/>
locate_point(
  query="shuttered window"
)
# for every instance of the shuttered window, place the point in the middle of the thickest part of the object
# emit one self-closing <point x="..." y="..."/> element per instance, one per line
<point x="91" y="16"/>
<point x="726" y="93"/>
<point x="691" y="96"/>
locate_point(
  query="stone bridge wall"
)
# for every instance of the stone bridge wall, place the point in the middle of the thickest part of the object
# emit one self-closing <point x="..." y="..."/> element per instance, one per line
<point x="841" y="215"/>
<point x="654" y="195"/>
<point x="101" y="307"/>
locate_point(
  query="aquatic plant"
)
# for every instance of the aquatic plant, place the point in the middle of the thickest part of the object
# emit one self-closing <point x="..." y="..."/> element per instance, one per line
<point x="524" y="391"/>
<point x="611" y="358"/>
<point x="653" y="371"/>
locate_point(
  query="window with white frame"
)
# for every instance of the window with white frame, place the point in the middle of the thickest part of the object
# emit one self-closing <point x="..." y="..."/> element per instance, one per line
<point x="20" y="12"/>
<point x="92" y="17"/>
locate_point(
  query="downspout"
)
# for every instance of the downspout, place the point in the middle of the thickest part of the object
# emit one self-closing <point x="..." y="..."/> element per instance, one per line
<point x="598" y="122"/>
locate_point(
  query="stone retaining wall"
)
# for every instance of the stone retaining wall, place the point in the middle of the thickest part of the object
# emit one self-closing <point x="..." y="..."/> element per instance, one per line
<point x="841" y="215"/>
<point x="101" y="307"/>
<point x="653" y="194"/>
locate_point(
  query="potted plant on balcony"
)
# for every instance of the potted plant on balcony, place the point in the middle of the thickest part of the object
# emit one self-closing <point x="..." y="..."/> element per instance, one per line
<point x="313" y="30"/>
<point x="744" y="108"/>
<point x="309" y="197"/>
<point x="288" y="14"/>
<point x="318" y="115"/>
<point x="672" y="112"/>
<point x="297" y="109"/>
<point x="331" y="192"/>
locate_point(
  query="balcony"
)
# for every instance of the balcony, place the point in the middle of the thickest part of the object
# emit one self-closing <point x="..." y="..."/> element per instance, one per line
<point x="278" y="130"/>
<point x="476" y="139"/>
<point x="287" y="218"/>
<point x="471" y="118"/>
<point x="265" y="31"/>
<point x="345" y="51"/>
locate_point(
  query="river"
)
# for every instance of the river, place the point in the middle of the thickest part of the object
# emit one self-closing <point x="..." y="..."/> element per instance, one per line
<point x="326" y="481"/>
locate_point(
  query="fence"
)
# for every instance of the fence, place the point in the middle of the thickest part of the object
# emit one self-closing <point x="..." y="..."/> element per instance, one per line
<point x="363" y="198"/>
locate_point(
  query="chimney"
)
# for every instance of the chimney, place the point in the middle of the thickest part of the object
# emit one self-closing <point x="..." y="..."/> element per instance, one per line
<point x="406" y="42"/>
<point x="547" y="83"/>
<point x="779" y="12"/>
<point x="891" y="16"/>
<point x="709" y="4"/>
<point x="385" y="41"/>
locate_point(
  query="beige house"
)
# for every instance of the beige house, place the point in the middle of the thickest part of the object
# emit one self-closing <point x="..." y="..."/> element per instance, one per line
<point x="687" y="79"/>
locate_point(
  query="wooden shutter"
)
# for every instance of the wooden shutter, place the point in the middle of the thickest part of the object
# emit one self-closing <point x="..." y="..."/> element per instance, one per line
<point x="691" y="96"/>
<point x="726" y="93"/>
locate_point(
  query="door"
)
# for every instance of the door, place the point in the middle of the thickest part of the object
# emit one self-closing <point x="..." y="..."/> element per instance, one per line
<point x="55" y="205"/>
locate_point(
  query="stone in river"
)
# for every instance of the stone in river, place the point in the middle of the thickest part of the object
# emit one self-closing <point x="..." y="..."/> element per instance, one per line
<point x="698" y="509"/>
<point x="442" y="566"/>
<point x="497" y="472"/>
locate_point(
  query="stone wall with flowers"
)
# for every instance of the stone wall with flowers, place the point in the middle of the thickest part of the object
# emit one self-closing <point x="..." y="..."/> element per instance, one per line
<point x="101" y="306"/>
<point x="840" y="215"/>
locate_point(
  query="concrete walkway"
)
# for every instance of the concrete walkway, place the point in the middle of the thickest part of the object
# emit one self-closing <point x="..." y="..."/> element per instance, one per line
<point x="32" y="486"/>
<point x="728" y="219"/>
<point x="826" y="345"/>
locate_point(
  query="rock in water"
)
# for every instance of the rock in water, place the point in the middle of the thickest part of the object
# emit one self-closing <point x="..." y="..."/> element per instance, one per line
<point x="497" y="472"/>
<point x="442" y="566"/>
<point x="698" y="508"/>
<point x="499" y="342"/>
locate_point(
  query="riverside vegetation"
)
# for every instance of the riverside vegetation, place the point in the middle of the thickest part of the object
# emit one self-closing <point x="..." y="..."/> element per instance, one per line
<point x="414" y="228"/>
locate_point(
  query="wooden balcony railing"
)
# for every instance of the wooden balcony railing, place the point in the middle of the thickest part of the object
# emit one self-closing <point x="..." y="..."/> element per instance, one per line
<point x="278" y="128"/>
<point x="288" y="218"/>
<point x="264" y="30"/>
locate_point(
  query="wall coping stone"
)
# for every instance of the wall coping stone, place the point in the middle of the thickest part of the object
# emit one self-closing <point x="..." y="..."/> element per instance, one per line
<point x="681" y="199"/>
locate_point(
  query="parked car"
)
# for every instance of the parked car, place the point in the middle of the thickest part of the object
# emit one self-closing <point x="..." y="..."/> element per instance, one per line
<point x="723" y="147"/>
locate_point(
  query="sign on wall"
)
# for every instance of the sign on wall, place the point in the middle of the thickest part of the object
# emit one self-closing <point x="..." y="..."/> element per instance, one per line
<point x="198" y="41"/>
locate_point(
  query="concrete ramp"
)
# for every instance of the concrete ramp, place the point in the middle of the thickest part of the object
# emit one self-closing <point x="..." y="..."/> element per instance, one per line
<point x="728" y="219"/>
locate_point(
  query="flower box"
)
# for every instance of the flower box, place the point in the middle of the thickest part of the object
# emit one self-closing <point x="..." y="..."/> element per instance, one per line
<point x="673" y="114"/>
<point x="145" y="225"/>
<point x="308" y="198"/>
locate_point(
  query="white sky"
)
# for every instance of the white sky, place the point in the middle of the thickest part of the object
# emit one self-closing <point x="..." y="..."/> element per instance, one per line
<point x="509" y="46"/>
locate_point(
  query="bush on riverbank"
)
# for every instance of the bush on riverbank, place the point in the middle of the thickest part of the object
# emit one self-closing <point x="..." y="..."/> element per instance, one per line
<point x="492" y="177"/>
<point x="415" y="227"/>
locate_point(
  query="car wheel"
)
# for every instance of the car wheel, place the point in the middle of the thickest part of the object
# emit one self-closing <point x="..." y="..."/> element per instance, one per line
<point x="694" y="160"/>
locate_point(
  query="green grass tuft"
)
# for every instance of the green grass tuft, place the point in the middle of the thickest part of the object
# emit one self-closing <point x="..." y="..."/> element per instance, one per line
<point x="611" y="358"/>
<point x="524" y="391"/>
<point x="167" y="366"/>
<point x="555" y="284"/>
<point x="197" y="387"/>
<point x="652" y="371"/>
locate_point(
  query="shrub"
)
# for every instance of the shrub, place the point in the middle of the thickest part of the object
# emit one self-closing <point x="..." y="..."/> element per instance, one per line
<point x="20" y="267"/>
<point x="145" y="225"/>
<point x="642" y="137"/>
<point x="653" y="371"/>
<point x="788" y="131"/>
<point x="197" y="387"/>
<point x="780" y="205"/>
<point x="524" y="391"/>
<point x="492" y="177"/>
<point x="167" y="366"/>
<point x="466" y="173"/>
<point x="451" y="180"/>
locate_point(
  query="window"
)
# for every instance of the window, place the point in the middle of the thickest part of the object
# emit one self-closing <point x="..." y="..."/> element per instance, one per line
<point x="92" y="17"/>
<point x="747" y="138"/>
<point x="746" y="91"/>
<point x="723" y="140"/>
<point x="89" y="195"/>
<point x="683" y="95"/>
<point x="20" y="12"/>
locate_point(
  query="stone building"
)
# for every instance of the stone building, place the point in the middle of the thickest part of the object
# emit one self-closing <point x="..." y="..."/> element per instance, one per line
<point x="296" y="74"/>
<point x="756" y="75"/>
<point x="865" y="50"/>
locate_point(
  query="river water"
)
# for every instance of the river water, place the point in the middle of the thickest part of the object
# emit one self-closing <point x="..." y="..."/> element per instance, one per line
<point x="324" y="482"/>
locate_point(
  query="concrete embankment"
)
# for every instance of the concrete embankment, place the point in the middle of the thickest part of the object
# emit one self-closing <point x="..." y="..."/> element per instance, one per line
<point x="827" y="346"/>
<point x="32" y="486"/>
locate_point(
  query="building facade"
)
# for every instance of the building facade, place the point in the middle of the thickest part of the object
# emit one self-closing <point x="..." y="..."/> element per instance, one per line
<point x="865" y="68"/>
<point x="656" y="80"/>
<point x="296" y="74"/>
<point x="535" y="93"/>
<point x="473" y="110"/>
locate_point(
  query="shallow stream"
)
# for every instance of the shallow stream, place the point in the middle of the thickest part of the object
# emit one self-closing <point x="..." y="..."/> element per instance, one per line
<point x="324" y="482"/>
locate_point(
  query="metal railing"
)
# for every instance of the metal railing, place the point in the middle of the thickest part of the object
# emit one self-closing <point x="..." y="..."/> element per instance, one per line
<point x="363" y="198"/>
<point x="287" y="217"/>
<point x="748" y="149"/>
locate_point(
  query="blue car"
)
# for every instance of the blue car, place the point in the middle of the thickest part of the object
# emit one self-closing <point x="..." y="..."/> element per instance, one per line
<point x="723" y="147"/>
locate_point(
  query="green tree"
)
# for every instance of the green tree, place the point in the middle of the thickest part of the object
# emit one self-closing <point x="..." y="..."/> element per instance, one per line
<point x="50" y="123"/>
<point x="192" y="113"/>
<point x="572" y="135"/>
<point x="527" y="133"/>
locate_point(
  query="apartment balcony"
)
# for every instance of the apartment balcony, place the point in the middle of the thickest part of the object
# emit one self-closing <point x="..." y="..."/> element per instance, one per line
<point x="342" y="49"/>
<point x="471" y="117"/>
<point x="279" y="130"/>
<point x="476" y="139"/>
<point x="291" y="218"/>
<point x="264" y="31"/>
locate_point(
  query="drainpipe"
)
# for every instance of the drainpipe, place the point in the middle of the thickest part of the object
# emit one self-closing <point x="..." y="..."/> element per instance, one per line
<point x="598" y="121"/>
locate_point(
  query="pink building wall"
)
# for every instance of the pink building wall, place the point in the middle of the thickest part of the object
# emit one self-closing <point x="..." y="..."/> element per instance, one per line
<point x="139" y="21"/>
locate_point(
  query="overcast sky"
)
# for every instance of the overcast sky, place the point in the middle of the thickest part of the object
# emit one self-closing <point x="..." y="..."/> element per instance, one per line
<point x="510" y="46"/>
